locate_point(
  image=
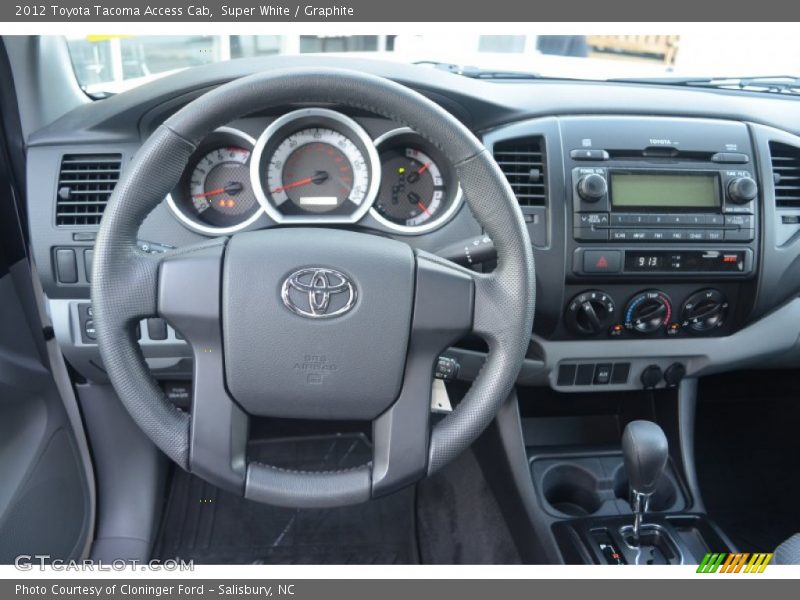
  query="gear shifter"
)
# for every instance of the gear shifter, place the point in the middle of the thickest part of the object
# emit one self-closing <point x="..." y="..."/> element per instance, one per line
<point x="644" y="448"/>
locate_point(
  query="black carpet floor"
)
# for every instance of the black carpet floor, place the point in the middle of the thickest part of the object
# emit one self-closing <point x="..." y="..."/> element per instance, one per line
<point x="748" y="456"/>
<point x="211" y="526"/>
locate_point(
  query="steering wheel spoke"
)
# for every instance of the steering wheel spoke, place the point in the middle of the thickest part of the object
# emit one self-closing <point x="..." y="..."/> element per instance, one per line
<point x="189" y="298"/>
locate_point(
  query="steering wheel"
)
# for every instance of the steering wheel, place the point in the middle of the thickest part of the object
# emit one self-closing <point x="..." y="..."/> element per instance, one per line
<point x="396" y="309"/>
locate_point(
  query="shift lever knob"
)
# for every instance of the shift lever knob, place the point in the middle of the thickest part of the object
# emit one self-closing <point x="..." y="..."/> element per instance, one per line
<point x="644" y="449"/>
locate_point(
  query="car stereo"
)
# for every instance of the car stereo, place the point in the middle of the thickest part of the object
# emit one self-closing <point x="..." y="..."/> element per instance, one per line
<point x="663" y="205"/>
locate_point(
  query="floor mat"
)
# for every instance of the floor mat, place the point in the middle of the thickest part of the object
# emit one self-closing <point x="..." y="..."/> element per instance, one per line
<point x="210" y="526"/>
<point x="748" y="456"/>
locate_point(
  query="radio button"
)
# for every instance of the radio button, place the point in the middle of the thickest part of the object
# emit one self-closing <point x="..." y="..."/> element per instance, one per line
<point x="696" y="235"/>
<point x="741" y="221"/>
<point x="620" y="234"/>
<point x="638" y="235"/>
<point x="715" y="235"/>
<point x="628" y="219"/>
<point x="677" y="235"/>
<point x="657" y="235"/>
<point x="730" y="158"/>
<point x="590" y="234"/>
<point x="588" y="154"/>
<point x="662" y="220"/>
<point x="589" y="219"/>
<point x="739" y="235"/>
<point x="715" y="220"/>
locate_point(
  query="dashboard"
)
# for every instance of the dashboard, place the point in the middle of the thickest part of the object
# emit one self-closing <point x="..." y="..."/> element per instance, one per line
<point x="665" y="221"/>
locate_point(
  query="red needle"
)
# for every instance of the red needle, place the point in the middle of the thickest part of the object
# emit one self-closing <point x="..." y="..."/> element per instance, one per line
<point x="215" y="192"/>
<point x="423" y="168"/>
<point x="290" y="186"/>
<point x="423" y="208"/>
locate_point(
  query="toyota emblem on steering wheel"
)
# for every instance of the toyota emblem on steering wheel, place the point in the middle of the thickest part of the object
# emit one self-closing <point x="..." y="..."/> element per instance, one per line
<point x="318" y="293"/>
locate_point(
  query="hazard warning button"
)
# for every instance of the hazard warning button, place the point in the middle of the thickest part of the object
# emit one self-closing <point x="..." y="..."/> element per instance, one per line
<point x="602" y="261"/>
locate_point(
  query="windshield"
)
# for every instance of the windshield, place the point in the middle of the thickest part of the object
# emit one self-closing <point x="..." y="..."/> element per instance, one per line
<point x="111" y="64"/>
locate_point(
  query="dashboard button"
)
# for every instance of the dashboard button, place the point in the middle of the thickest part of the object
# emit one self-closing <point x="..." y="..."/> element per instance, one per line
<point x="602" y="373"/>
<point x="676" y="235"/>
<point x="566" y="375"/>
<point x="620" y="372"/>
<point x="739" y="235"/>
<point x="589" y="219"/>
<point x="157" y="329"/>
<point x="662" y="220"/>
<point x="696" y="235"/>
<point x="90" y="330"/>
<point x="730" y="158"/>
<point x="590" y="234"/>
<point x="742" y="221"/>
<point x="588" y="154"/>
<point x="628" y="219"/>
<point x="658" y="235"/>
<point x="715" y="220"/>
<point x="585" y="375"/>
<point x="66" y="266"/>
<point x="620" y="234"/>
<point x="602" y="261"/>
<point x="638" y="235"/>
<point x="715" y="235"/>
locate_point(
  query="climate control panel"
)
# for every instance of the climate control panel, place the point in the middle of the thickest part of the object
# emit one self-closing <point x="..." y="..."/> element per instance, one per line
<point x="625" y="312"/>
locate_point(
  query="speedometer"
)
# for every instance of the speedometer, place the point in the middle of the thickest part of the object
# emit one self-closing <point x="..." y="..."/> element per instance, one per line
<point x="318" y="170"/>
<point x="315" y="165"/>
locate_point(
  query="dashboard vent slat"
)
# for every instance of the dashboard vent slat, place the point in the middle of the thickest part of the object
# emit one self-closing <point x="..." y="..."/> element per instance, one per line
<point x="786" y="174"/>
<point x="85" y="182"/>
<point x="522" y="161"/>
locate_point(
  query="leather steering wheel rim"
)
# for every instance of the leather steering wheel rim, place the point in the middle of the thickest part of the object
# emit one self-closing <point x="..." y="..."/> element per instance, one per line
<point x="125" y="280"/>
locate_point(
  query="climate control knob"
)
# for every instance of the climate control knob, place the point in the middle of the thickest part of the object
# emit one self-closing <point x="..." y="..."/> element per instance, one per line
<point x="648" y="311"/>
<point x="592" y="187"/>
<point x="590" y="313"/>
<point x="742" y="190"/>
<point x="704" y="310"/>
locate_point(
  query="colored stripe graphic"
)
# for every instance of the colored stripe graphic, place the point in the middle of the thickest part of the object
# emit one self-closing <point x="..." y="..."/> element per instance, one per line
<point x="740" y="562"/>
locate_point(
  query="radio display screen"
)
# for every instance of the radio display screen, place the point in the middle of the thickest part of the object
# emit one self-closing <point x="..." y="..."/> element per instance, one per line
<point x="687" y="191"/>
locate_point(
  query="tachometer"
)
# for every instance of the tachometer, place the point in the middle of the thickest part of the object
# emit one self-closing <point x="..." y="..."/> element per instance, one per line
<point x="315" y="165"/>
<point x="214" y="195"/>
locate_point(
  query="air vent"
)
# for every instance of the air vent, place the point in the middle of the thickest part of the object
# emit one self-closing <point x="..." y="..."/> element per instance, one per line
<point x="786" y="174"/>
<point x="85" y="183"/>
<point x="522" y="161"/>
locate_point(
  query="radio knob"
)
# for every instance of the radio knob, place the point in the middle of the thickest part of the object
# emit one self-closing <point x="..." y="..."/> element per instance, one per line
<point x="592" y="188"/>
<point x="742" y="190"/>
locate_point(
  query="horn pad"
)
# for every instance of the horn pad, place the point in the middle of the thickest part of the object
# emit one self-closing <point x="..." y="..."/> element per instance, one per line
<point x="316" y="322"/>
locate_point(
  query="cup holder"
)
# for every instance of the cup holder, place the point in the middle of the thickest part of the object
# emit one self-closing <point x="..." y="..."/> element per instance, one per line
<point x="571" y="490"/>
<point x="663" y="498"/>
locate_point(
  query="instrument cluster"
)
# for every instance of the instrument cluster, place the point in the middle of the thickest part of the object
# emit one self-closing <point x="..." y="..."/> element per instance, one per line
<point x="316" y="166"/>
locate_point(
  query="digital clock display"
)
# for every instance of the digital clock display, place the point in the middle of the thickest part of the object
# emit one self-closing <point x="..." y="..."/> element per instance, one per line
<point x="664" y="261"/>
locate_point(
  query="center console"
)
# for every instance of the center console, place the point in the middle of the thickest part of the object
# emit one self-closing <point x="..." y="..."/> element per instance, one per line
<point x="663" y="227"/>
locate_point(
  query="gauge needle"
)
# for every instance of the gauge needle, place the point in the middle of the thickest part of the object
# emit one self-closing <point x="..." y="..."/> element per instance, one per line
<point x="423" y="168"/>
<point x="233" y="188"/>
<point x="318" y="178"/>
<point x="423" y="208"/>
